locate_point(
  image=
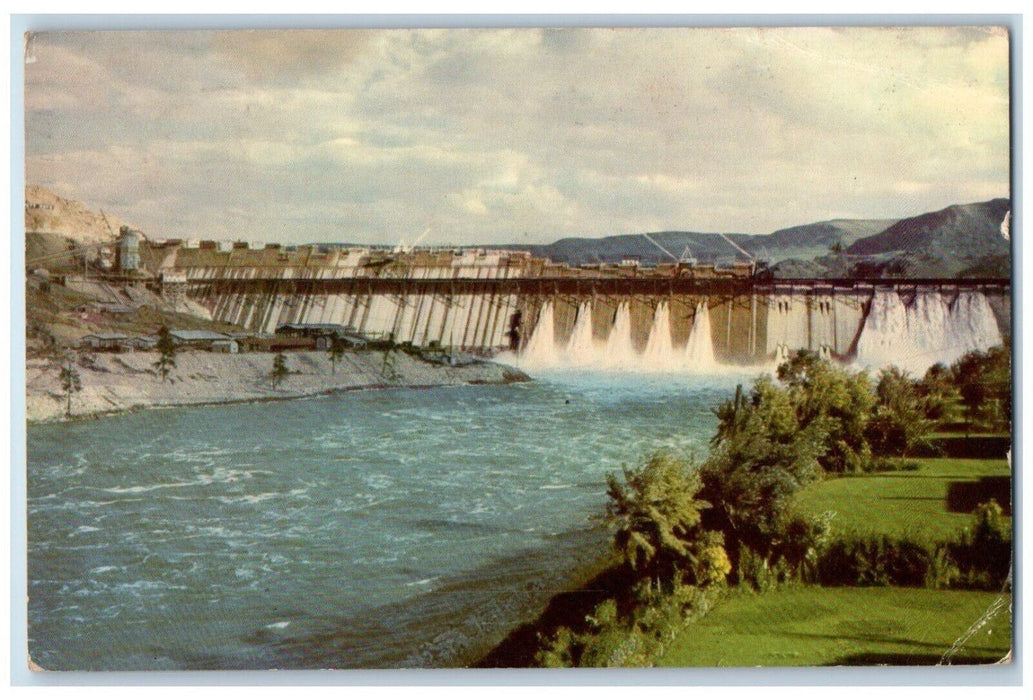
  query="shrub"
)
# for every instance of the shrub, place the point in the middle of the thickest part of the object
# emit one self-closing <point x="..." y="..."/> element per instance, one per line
<point x="839" y="401"/>
<point x="761" y="456"/>
<point x="876" y="560"/>
<point x="943" y="571"/>
<point x="898" y="424"/>
<point x="978" y="557"/>
<point x="608" y="639"/>
<point x="888" y="464"/>
<point x="756" y="570"/>
<point x="712" y="565"/>
<point x="801" y="541"/>
<point x="983" y="553"/>
<point x="655" y="513"/>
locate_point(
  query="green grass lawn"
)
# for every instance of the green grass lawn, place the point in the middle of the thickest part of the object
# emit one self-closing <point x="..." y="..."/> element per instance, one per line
<point x="910" y="502"/>
<point x="814" y="626"/>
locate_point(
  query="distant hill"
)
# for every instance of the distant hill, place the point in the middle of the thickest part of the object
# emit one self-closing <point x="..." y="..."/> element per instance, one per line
<point x="945" y="243"/>
<point x="806" y="241"/>
<point x="813" y="240"/>
<point x="961" y="240"/>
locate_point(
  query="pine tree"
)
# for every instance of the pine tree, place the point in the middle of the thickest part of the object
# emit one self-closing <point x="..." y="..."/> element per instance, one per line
<point x="167" y="357"/>
<point x="70" y="384"/>
<point x="336" y="351"/>
<point x="280" y="370"/>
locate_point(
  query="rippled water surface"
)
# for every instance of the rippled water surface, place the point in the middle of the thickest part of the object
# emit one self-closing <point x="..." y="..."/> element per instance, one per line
<point x="381" y="529"/>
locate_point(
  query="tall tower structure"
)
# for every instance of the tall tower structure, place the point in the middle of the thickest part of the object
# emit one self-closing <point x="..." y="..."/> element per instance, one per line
<point x="128" y="250"/>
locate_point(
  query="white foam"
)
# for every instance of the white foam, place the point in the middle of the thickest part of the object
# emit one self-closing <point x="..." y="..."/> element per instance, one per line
<point x="618" y="354"/>
<point x="928" y="331"/>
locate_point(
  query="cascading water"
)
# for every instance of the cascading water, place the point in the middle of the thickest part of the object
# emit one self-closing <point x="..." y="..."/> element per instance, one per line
<point x="581" y="349"/>
<point x="699" y="351"/>
<point x="885" y="331"/>
<point x="540" y="350"/>
<point x="911" y="336"/>
<point x="620" y="353"/>
<point x="929" y="327"/>
<point x="659" y="352"/>
<point x="974" y="324"/>
<point x="916" y="337"/>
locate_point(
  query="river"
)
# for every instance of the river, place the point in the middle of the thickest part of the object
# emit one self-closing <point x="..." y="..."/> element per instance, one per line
<point x="401" y="528"/>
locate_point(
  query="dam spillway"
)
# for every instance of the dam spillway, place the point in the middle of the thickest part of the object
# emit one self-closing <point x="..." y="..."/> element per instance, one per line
<point x="616" y="316"/>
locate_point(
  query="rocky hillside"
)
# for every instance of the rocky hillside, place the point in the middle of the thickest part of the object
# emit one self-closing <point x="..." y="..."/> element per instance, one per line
<point x="59" y="231"/>
<point x="46" y="212"/>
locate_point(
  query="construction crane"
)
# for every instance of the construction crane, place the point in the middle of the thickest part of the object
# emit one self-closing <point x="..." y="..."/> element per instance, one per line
<point x="756" y="266"/>
<point x="732" y="243"/>
<point x="687" y="258"/>
<point x="669" y="253"/>
<point x="107" y="223"/>
<point x="403" y="248"/>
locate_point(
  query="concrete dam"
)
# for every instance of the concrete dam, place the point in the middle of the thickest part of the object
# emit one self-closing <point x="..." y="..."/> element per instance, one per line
<point x="669" y="316"/>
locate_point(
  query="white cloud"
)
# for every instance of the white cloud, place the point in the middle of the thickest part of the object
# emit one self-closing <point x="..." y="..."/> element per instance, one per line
<point x="516" y="134"/>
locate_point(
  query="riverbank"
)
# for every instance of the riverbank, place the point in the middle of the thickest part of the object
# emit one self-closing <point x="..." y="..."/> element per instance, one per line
<point x="116" y="383"/>
<point x="804" y="623"/>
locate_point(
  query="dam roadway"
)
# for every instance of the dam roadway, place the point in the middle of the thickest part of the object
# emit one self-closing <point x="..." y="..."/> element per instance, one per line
<point x="648" y="285"/>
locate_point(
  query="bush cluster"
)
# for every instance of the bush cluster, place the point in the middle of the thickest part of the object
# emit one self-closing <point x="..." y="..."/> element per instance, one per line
<point x="682" y="533"/>
<point x="637" y="638"/>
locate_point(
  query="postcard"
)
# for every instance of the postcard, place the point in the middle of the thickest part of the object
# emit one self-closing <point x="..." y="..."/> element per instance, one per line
<point x="682" y="347"/>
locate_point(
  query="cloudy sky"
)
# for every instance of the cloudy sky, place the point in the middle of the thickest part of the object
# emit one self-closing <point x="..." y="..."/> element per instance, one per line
<point x="518" y="135"/>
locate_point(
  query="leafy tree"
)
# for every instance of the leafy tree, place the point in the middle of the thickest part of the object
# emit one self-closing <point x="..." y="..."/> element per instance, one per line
<point x="984" y="382"/>
<point x="899" y="423"/>
<point x="336" y="350"/>
<point x="939" y="393"/>
<point x="280" y="370"/>
<point x="70" y="384"/>
<point x="968" y="373"/>
<point x="656" y="512"/>
<point x="838" y="401"/>
<point x="761" y="455"/>
<point x="166" y="348"/>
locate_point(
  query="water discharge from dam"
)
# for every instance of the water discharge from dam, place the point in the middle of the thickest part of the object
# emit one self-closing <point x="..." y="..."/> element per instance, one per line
<point x="617" y="352"/>
<point x="699" y="351"/>
<point x="928" y="331"/>
<point x="582" y="349"/>
<point x="912" y="334"/>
